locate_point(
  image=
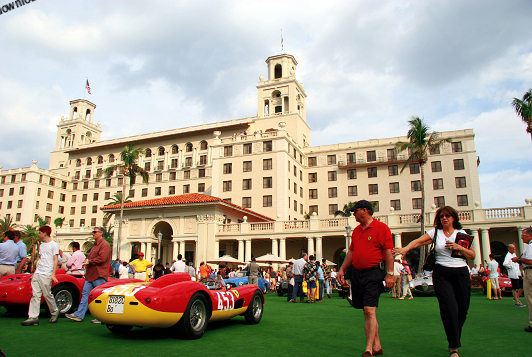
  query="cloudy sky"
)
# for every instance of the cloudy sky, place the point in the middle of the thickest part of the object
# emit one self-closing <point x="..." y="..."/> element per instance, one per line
<point x="367" y="68"/>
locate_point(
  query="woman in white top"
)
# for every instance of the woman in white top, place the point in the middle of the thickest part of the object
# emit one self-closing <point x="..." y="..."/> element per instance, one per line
<point x="452" y="283"/>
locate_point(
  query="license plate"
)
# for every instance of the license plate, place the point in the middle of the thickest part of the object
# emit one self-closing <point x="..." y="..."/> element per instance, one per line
<point x="115" y="304"/>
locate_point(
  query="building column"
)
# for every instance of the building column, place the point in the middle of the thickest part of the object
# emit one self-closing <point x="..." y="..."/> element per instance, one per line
<point x="241" y="250"/>
<point x="282" y="248"/>
<point x="486" y="248"/>
<point x="522" y="245"/>
<point x="147" y="253"/>
<point x="397" y="241"/>
<point x="248" y="250"/>
<point x="217" y="248"/>
<point x="310" y="245"/>
<point x="175" y="251"/>
<point x="476" y="248"/>
<point x="319" y="248"/>
<point x="181" y="245"/>
<point x="275" y="250"/>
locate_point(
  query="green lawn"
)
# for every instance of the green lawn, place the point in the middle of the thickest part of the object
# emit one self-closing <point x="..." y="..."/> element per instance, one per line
<point x="330" y="328"/>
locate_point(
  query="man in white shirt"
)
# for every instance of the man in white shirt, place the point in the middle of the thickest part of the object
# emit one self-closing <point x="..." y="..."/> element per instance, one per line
<point x="179" y="265"/>
<point x="514" y="273"/>
<point x="397" y="267"/>
<point x="493" y="267"/>
<point x="526" y="261"/>
<point x="298" y="278"/>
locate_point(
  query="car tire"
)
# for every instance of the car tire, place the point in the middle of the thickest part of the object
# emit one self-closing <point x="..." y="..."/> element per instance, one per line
<point x="119" y="329"/>
<point x="194" y="321"/>
<point x="255" y="309"/>
<point x="64" y="298"/>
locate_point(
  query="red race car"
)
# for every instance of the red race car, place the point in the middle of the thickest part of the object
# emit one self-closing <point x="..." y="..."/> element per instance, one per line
<point x="15" y="291"/>
<point x="173" y="300"/>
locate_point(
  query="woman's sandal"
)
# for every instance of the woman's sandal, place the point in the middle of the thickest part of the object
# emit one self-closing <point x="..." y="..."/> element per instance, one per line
<point x="453" y="354"/>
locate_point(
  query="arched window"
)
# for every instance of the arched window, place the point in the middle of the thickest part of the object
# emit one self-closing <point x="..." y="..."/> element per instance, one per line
<point x="89" y="161"/>
<point x="161" y="151"/>
<point x="88" y="115"/>
<point x="100" y="159"/>
<point x="204" y="145"/>
<point x="175" y="149"/>
<point x="111" y="158"/>
<point x="78" y="162"/>
<point x="75" y="113"/>
<point x="278" y="71"/>
<point x="189" y="147"/>
<point x="148" y="152"/>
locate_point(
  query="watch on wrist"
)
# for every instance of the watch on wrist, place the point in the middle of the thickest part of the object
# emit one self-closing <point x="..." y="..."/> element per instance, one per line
<point x="390" y="273"/>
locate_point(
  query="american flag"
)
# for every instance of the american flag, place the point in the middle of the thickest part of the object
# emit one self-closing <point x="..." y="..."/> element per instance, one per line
<point x="88" y="87"/>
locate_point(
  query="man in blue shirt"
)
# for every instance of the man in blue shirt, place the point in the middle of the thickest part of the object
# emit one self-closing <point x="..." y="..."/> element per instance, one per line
<point x="9" y="253"/>
<point x="23" y="256"/>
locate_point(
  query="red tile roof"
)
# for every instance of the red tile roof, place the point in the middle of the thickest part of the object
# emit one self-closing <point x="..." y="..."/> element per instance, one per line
<point x="181" y="200"/>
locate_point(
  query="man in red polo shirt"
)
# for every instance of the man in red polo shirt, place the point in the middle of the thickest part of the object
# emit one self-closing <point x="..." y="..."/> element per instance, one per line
<point x="370" y="254"/>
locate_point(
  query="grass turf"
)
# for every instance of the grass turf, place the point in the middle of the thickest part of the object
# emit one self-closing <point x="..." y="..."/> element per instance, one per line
<point x="330" y="328"/>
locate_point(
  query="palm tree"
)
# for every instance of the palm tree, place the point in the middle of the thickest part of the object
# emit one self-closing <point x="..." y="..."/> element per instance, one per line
<point x="127" y="167"/>
<point x="58" y="222"/>
<point x="115" y="200"/>
<point x="30" y="237"/>
<point x="421" y="142"/>
<point x="6" y="224"/>
<point x="345" y="212"/>
<point x="523" y="107"/>
<point x="107" y="235"/>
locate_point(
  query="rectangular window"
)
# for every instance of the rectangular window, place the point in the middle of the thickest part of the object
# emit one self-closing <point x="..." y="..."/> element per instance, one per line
<point x="84" y="197"/>
<point x="312" y="161"/>
<point x="50" y="194"/>
<point x="394" y="187"/>
<point x="144" y="192"/>
<point x="1" y="192"/>
<point x="267" y="182"/>
<point x="227" y="186"/>
<point x="331" y="175"/>
<point x="375" y="205"/>
<point x="19" y="204"/>
<point x="312" y="209"/>
<point x="415" y="185"/>
<point x="352" y="191"/>
<point x="158" y="191"/>
<point x="333" y="192"/>
<point x="158" y="177"/>
<point x="21" y="190"/>
<point x="395" y="204"/>
<point x="83" y="210"/>
<point x="416" y="203"/>
<point x="373" y="189"/>
<point x="246" y="202"/>
<point x="371" y="155"/>
<point x="313" y="177"/>
<point x="313" y="194"/>
<point x="86" y="185"/>
<point x="435" y="166"/>
<point x="295" y="171"/>
<point x="248" y="149"/>
<point x="82" y="222"/>
<point x="186" y="189"/>
<point x="188" y="162"/>
<point x="267" y="146"/>
<point x="439" y="201"/>
<point x="96" y="183"/>
<point x="173" y="176"/>
<point x="95" y="196"/>
<point x="74" y="197"/>
<point x="331" y="159"/>
<point x="372" y="172"/>
<point x="107" y="195"/>
<point x="267" y="164"/>
<point x="12" y="191"/>
<point x="295" y="188"/>
<point x="460" y="182"/>
<point x="62" y="197"/>
<point x="13" y="178"/>
<point x="332" y="209"/>
<point x="228" y="151"/>
<point x="246" y="184"/>
<point x="414" y="168"/>
<point x="61" y="210"/>
<point x="434" y="150"/>
<point x="458" y="164"/>
<point x="351" y="157"/>
<point x="228" y="168"/>
<point x="247" y="166"/>
<point x="171" y="190"/>
<point x="393" y="170"/>
<point x="72" y="210"/>
<point x="201" y="173"/>
<point x="132" y="193"/>
<point x="437" y="184"/>
<point x="457" y="146"/>
<point x="147" y="166"/>
<point x="88" y="174"/>
<point x="201" y="187"/>
<point x="10" y="204"/>
<point x="461" y="200"/>
<point x="203" y="160"/>
<point x="267" y="201"/>
<point x="186" y="175"/>
<point x="351" y="174"/>
<point x="173" y="163"/>
<point x="108" y="182"/>
<point x="160" y="165"/>
<point x="391" y="154"/>
<point x="93" y="222"/>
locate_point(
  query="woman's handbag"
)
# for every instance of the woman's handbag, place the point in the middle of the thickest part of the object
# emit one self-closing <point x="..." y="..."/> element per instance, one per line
<point x="430" y="261"/>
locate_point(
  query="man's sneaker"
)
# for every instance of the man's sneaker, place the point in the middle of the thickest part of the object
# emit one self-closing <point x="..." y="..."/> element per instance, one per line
<point x="73" y="317"/>
<point x="30" y="322"/>
<point x="528" y="329"/>
<point x="96" y="321"/>
<point x="54" y="317"/>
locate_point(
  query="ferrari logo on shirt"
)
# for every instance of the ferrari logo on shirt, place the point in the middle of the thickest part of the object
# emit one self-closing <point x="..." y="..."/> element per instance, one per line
<point x="369" y="238"/>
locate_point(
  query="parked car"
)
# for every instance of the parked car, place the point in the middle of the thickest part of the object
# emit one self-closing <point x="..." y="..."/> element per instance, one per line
<point x="241" y="278"/>
<point x="505" y="283"/>
<point x="173" y="300"/>
<point x="422" y="285"/>
<point x="16" y="292"/>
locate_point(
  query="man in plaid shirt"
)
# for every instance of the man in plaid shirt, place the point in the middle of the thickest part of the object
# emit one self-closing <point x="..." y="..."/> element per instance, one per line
<point x="310" y="274"/>
<point x="327" y="276"/>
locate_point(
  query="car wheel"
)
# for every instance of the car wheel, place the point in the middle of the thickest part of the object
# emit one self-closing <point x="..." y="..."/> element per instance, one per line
<point x="194" y="321"/>
<point x="255" y="309"/>
<point x="64" y="298"/>
<point x="119" y="329"/>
